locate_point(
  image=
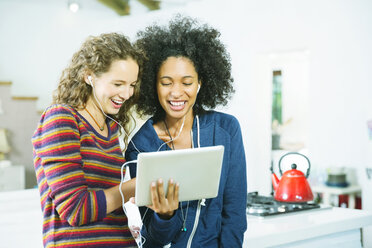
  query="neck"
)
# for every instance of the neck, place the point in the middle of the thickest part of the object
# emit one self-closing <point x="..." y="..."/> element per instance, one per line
<point x="94" y="108"/>
<point x="174" y="125"/>
<point x="95" y="113"/>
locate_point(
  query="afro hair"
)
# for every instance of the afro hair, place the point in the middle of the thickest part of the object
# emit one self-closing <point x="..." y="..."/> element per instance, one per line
<point x="185" y="37"/>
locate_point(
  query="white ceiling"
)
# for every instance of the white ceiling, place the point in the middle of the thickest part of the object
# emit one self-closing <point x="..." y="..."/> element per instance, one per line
<point x="135" y="6"/>
<point x="94" y="5"/>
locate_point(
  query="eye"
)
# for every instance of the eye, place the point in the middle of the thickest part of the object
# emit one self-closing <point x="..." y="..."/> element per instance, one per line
<point x="117" y="83"/>
<point x="165" y="83"/>
<point x="188" y="82"/>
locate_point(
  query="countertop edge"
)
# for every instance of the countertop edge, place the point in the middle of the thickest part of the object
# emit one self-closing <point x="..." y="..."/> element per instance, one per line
<point x="356" y="219"/>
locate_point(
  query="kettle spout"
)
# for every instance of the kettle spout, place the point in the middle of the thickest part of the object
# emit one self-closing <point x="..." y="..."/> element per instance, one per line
<point x="275" y="181"/>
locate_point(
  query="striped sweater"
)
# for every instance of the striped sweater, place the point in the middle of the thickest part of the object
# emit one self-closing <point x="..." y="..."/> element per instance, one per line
<point x="73" y="164"/>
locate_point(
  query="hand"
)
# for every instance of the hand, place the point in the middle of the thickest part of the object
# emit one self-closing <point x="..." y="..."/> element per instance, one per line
<point x="163" y="205"/>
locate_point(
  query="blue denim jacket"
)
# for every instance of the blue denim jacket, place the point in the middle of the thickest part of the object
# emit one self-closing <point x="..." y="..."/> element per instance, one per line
<point x="222" y="221"/>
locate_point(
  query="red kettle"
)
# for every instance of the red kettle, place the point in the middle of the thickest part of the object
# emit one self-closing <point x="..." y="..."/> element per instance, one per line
<point x="293" y="186"/>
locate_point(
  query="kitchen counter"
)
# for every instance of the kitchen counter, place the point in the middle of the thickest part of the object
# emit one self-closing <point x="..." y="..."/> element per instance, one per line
<point x="324" y="227"/>
<point x="20" y="216"/>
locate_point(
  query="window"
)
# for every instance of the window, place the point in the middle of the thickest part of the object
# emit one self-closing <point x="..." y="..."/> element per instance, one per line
<point x="277" y="97"/>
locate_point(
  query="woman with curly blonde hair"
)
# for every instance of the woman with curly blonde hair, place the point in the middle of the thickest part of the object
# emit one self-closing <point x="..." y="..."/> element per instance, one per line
<point x="77" y="155"/>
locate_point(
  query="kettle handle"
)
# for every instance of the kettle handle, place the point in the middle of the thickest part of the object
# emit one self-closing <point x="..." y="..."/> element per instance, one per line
<point x="297" y="153"/>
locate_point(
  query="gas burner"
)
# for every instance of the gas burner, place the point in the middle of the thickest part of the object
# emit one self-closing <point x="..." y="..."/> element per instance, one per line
<point x="266" y="205"/>
<point x="255" y="209"/>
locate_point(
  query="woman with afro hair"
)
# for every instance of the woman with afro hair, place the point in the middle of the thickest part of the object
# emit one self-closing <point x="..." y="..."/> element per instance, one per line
<point x="187" y="74"/>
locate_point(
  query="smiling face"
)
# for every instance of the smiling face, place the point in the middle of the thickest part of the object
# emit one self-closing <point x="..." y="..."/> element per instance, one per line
<point x="115" y="86"/>
<point x="177" y="86"/>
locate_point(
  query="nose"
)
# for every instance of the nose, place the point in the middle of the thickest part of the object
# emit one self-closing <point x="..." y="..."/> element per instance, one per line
<point x="127" y="92"/>
<point x="176" y="90"/>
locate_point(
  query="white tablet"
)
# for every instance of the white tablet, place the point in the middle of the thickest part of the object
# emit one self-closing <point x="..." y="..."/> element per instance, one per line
<point x="197" y="170"/>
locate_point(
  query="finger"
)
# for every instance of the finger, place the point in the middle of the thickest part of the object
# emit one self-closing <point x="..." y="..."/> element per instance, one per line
<point x="176" y="192"/>
<point x="154" y="196"/>
<point x="132" y="200"/>
<point x="170" y="194"/>
<point x="160" y="189"/>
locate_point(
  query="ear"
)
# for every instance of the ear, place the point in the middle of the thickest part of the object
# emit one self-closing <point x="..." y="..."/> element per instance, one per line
<point x="199" y="85"/>
<point x="88" y="78"/>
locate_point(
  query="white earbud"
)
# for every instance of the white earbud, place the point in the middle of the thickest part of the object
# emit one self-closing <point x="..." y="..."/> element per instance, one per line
<point x="198" y="89"/>
<point x="90" y="80"/>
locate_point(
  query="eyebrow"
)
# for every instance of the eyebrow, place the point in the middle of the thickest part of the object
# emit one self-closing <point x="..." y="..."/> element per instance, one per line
<point x="123" y="81"/>
<point x="168" y="77"/>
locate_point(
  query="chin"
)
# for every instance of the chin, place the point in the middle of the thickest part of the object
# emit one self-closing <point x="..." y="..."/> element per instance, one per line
<point x="113" y="111"/>
<point x="178" y="115"/>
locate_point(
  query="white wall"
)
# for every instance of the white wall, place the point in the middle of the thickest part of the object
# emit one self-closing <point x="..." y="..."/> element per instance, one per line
<point x="37" y="40"/>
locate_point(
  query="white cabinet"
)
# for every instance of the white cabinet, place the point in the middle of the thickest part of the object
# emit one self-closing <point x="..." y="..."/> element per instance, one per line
<point x="325" y="227"/>
<point x="12" y="177"/>
<point x="21" y="219"/>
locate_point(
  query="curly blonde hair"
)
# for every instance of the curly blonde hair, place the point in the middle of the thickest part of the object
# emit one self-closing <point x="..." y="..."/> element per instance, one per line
<point x="96" y="56"/>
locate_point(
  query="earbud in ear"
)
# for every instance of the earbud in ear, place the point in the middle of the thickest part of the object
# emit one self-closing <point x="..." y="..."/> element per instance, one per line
<point x="90" y="80"/>
<point x="198" y="89"/>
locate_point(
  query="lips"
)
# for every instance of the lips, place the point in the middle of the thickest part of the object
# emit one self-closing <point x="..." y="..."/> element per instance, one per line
<point x="117" y="103"/>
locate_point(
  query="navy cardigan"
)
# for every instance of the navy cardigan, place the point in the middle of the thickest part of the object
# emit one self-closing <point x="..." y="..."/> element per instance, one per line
<point x="222" y="221"/>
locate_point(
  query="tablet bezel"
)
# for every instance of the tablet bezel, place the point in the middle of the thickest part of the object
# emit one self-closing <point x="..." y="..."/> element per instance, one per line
<point x="203" y="165"/>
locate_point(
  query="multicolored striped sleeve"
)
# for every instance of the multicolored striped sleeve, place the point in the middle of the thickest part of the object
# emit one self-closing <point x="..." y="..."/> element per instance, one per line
<point x="57" y="144"/>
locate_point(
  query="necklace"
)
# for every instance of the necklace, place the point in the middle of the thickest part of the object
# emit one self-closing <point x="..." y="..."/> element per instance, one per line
<point x="170" y="136"/>
<point x="100" y="128"/>
<point x="184" y="229"/>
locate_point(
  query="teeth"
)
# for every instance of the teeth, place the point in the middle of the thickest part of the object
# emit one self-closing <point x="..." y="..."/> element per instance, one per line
<point x="118" y="102"/>
<point x="177" y="103"/>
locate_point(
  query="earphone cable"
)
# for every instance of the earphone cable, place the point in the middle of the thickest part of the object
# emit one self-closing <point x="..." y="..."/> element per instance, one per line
<point x="103" y="112"/>
<point x="171" y="140"/>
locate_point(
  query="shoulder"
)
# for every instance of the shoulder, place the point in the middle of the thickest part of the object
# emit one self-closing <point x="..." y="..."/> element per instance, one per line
<point x="60" y="109"/>
<point x="221" y="124"/>
<point x="59" y="113"/>
<point x="57" y="120"/>
<point x="146" y="138"/>
<point x="145" y="129"/>
<point x="224" y="120"/>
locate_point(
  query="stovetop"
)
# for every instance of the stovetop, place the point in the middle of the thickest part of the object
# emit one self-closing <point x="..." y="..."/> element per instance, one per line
<point x="266" y="205"/>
